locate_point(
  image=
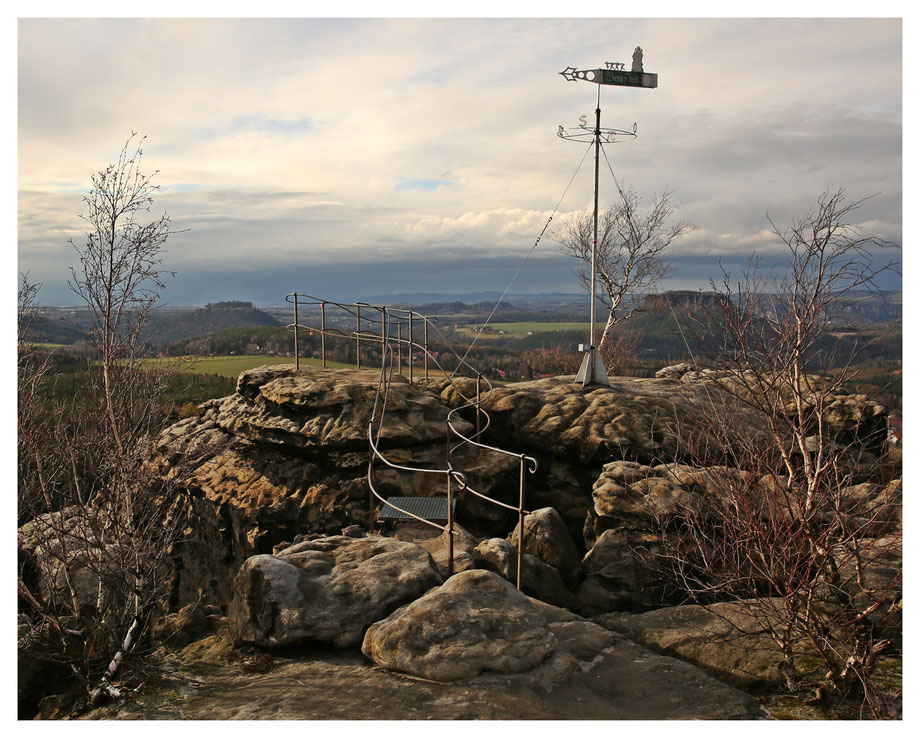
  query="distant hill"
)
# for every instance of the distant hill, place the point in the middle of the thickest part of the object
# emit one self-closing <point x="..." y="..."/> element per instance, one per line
<point x="168" y="325"/>
<point x="67" y="325"/>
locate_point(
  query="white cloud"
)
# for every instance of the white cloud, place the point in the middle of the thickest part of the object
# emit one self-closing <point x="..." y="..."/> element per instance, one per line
<point x="287" y="139"/>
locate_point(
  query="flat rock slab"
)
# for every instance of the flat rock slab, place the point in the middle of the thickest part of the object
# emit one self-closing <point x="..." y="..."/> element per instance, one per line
<point x="621" y="681"/>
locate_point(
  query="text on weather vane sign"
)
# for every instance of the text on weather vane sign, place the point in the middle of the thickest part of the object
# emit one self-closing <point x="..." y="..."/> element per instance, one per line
<point x="615" y="74"/>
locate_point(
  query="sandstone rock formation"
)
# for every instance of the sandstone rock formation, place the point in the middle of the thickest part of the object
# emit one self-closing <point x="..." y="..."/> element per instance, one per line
<point x="474" y="622"/>
<point x="328" y="589"/>
<point x="538" y="579"/>
<point x="49" y="541"/>
<point x="546" y="537"/>
<point x="287" y="455"/>
<point x="724" y="639"/>
<point x="593" y="674"/>
<point x="190" y="624"/>
<point x="621" y="574"/>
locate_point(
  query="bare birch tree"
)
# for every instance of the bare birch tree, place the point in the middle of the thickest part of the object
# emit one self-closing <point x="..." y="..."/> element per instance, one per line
<point x="807" y="536"/>
<point x="101" y="523"/>
<point x="631" y="258"/>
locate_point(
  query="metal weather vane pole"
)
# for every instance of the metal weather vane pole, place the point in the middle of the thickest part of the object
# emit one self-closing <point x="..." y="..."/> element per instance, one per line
<point x="592" y="369"/>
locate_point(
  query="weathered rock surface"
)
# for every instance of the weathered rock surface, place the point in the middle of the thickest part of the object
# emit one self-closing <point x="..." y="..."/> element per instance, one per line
<point x="538" y="579"/>
<point x="632" y="502"/>
<point x="328" y="589"/>
<point x="721" y="638"/>
<point x="546" y="537"/>
<point x="284" y="456"/>
<point x="439" y="547"/>
<point x="562" y="419"/>
<point x="621" y="574"/>
<point x="69" y="540"/>
<point x="593" y="674"/>
<point x="675" y="371"/>
<point x="190" y="624"/>
<point x="287" y="455"/>
<point x="474" y="622"/>
<point x="314" y="409"/>
<point x="634" y="496"/>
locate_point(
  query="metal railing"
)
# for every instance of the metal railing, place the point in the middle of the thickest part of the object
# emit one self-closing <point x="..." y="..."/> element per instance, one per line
<point x="386" y="319"/>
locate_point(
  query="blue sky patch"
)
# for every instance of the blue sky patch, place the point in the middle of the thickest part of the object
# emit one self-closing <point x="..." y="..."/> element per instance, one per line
<point x="425" y="185"/>
<point x="271" y="125"/>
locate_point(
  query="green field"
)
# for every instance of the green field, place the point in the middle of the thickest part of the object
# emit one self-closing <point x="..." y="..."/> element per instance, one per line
<point x="516" y="330"/>
<point x="231" y="366"/>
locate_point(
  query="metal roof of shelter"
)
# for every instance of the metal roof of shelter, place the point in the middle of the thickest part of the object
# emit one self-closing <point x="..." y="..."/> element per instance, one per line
<point x="428" y="508"/>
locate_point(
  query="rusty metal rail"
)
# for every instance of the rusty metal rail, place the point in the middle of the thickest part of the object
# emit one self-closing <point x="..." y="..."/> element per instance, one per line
<point x="386" y="319"/>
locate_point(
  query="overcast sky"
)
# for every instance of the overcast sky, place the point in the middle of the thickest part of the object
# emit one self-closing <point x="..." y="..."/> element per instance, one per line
<point x="350" y="158"/>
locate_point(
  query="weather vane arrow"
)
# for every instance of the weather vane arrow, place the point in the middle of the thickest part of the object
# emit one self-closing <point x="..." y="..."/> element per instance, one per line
<point x="615" y="74"/>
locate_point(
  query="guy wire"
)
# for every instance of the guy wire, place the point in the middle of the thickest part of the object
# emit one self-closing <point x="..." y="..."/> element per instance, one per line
<point x="524" y="262"/>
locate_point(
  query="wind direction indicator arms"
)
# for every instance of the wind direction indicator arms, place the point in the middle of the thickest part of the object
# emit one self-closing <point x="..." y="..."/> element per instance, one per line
<point x="592" y="369"/>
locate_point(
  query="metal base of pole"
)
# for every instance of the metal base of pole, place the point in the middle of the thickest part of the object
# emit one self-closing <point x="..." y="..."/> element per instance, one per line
<point x="592" y="369"/>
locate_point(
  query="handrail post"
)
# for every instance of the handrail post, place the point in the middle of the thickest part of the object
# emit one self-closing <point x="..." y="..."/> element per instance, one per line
<point x="370" y="491"/>
<point x="411" y="375"/>
<point x="398" y="347"/>
<point x="426" y="349"/>
<point x="520" y="552"/>
<point x="322" y="327"/>
<point x="450" y="526"/>
<point x="383" y="337"/>
<point x="296" y="341"/>
<point x="478" y="400"/>
<point x="358" y="338"/>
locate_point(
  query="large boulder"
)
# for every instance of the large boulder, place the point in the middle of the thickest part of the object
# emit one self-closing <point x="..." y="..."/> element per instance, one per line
<point x="328" y="589"/>
<point x="464" y="546"/>
<point x="635" y="417"/>
<point x="633" y="496"/>
<point x="65" y="558"/>
<point x="190" y="624"/>
<point x="622" y="573"/>
<point x="675" y="371"/>
<point x="547" y="538"/>
<point x="538" y="579"/>
<point x="474" y="622"/>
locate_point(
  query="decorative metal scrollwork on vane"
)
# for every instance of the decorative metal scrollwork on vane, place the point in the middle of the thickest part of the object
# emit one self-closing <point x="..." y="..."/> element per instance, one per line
<point x="586" y="134"/>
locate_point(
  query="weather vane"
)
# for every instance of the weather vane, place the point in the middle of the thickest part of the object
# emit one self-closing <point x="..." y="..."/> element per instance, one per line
<point x="614" y="73"/>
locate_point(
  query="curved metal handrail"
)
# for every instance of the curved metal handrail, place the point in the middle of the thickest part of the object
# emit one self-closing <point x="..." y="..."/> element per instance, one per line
<point x="388" y="317"/>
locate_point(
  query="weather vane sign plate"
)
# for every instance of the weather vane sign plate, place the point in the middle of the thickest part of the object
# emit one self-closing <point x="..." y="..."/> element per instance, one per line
<point x="619" y="77"/>
<point x="615" y="74"/>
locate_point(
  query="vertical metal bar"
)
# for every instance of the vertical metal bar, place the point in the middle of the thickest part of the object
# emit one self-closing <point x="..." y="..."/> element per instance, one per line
<point x="478" y="400"/>
<point x="296" y="342"/>
<point x="426" y="348"/>
<point x="590" y="360"/>
<point x="597" y="159"/>
<point x="398" y="347"/>
<point x="411" y="375"/>
<point x="520" y="553"/>
<point x="383" y="336"/>
<point x="370" y="493"/>
<point x="358" y="338"/>
<point x="450" y="527"/>
<point x="322" y="327"/>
